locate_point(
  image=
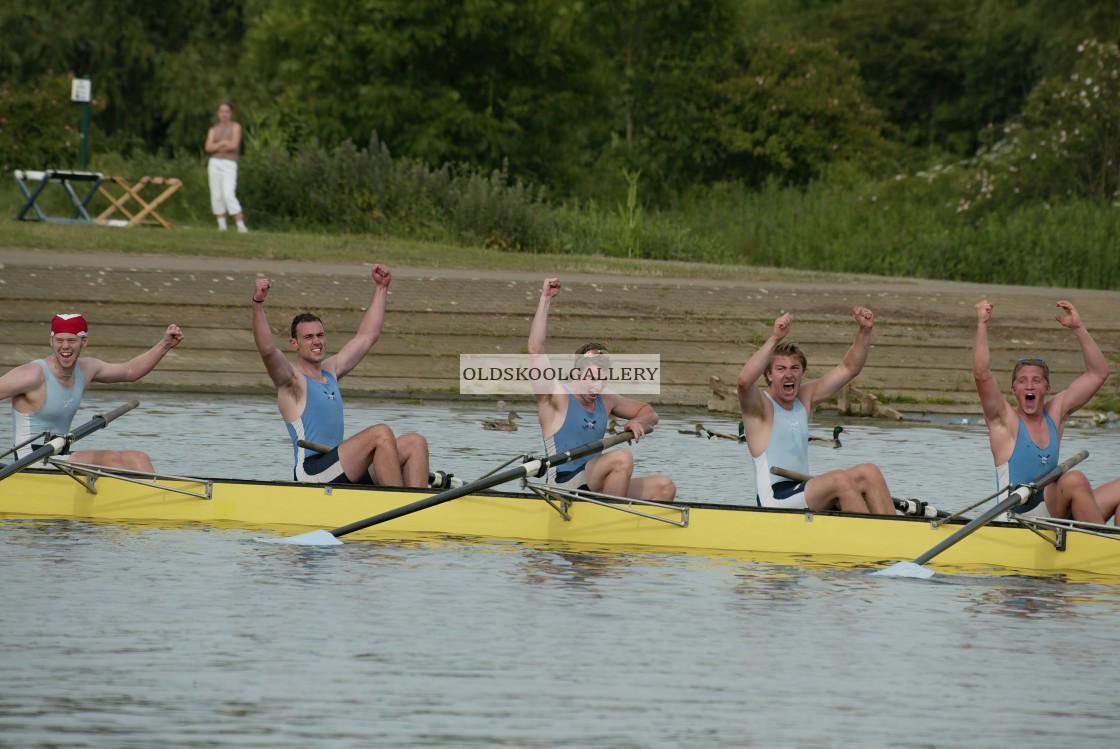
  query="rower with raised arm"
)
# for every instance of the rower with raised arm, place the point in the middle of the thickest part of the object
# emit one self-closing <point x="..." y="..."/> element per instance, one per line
<point x="1025" y="437"/>
<point x="575" y="415"/>
<point x="776" y="423"/>
<point x="308" y="397"/>
<point x="46" y="393"/>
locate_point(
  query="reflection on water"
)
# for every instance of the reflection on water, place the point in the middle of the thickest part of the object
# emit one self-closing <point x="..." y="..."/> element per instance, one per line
<point x="135" y="636"/>
<point x="132" y="636"/>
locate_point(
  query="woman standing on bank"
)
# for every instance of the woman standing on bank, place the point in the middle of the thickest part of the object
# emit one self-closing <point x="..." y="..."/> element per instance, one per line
<point x="223" y="143"/>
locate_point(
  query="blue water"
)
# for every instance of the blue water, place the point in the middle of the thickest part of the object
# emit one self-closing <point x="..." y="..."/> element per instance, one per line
<point x="133" y="636"/>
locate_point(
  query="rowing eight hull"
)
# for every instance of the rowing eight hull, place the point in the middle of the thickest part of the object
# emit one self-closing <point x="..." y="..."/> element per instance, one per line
<point x="282" y="505"/>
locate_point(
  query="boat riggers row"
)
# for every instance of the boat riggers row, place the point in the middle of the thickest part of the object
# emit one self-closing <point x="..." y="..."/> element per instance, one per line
<point x="995" y="540"/>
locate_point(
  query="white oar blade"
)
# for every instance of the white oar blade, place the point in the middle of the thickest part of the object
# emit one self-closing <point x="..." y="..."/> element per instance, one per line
<point x="314" y="538"/>
<point x="906" y="569"/>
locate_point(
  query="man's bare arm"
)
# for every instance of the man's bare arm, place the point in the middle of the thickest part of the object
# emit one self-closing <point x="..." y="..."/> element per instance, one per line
<point x="849" y="367"/>
<point x="750" y="399"/>
<point x="138" y="366"/>
<point x="1081" y="390"/>
<point x="279" y="369"/>
<point x="352" y="353"/>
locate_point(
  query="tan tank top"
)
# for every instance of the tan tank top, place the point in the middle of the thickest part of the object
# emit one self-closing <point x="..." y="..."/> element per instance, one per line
<point x="224" y="132"/>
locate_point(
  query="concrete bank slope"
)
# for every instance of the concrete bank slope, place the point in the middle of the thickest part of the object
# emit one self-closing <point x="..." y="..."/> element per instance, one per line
<point x="921" y="360"/>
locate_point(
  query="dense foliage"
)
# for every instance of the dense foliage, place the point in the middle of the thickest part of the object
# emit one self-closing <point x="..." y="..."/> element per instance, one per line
<point x="769" y="131"/>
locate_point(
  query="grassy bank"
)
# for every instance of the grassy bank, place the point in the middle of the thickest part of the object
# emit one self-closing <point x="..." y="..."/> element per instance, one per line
<point x="345" y="248"/>
<point x="338" y="206"/>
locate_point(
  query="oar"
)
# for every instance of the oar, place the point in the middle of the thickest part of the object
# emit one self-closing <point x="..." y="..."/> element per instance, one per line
<point x="905" y="506"/>
<point x="59" y="443"/>
<point x="534" y="467"/>
<point x="436" y="479"/>
<point x="1019" y="495"/>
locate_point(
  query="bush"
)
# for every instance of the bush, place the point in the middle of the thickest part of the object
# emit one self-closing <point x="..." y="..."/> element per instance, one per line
<point x="367" y="190"/>
<point x="39" y="125"/>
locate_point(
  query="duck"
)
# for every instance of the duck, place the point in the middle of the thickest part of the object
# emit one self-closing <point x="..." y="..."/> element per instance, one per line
<point x="613" y="426"/>
<point x="697" y="431"/>
<point x="725" y="436"/>
<point x="825" y="442"/>
<point x="502" y="426"/>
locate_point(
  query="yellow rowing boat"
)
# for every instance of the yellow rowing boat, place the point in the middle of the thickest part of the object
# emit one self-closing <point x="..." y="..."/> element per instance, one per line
<point x="541" y="513"/>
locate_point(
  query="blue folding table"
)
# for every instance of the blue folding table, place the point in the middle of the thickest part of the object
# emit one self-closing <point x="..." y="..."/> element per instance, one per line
<point x="64" y="178"/>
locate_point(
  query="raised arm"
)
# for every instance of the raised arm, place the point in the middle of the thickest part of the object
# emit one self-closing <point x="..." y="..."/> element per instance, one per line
<point x="138" y="366"/>
<point x="279" y="369"/>
<point x="992" y="402"/>
<point x="849" y="367"/>
<point x="1082" y="390"/>
<point x="538" y="332"/>
<point x="369" y="330"/>
<point x="750" y="398"/>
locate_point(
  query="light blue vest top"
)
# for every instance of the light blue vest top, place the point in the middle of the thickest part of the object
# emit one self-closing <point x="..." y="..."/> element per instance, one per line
<point x="789" y="439"/>
<point x="321" y="420"/>
<point x="57" y="413"/>
<point x="580" y="427"/>
<point x="1029" y="461"/>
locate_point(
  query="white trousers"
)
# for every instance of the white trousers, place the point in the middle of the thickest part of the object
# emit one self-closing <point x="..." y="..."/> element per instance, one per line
<point x="223" y="187"/>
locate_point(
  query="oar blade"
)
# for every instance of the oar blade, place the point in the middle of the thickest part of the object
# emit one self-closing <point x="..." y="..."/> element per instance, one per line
<point x="312" y="538"/>
<point x="905" y="569"/>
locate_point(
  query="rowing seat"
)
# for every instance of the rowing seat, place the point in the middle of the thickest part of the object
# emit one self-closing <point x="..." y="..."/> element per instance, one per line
<point x="131" y="193"/>
<point x="64" y="178"/>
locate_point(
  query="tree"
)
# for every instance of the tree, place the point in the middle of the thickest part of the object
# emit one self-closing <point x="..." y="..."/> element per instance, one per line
<point x="654" y="70"/>
<point x="1070" y="137"/>
<point x="790" y="110"/>
<point x="909" y="54"/>
<point x="476" y="82"/>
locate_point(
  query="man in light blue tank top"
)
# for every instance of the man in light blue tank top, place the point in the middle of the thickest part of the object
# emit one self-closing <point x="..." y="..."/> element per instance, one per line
<point x="1025" y="437"/>
<point x="776" y="423"/>
<point x="308" y="397"/>
<point x="577" y="416"/>
<point x="46" y="393"/>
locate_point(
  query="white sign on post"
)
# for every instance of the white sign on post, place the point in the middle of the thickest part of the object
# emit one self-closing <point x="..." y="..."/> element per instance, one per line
<point x="79" y="89"/>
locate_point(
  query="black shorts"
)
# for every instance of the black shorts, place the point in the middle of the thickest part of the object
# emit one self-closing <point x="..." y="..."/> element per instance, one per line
<point x="326" y="468"/>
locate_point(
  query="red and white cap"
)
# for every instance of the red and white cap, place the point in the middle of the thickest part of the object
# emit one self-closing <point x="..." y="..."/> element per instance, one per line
<point x="72" y="323"/>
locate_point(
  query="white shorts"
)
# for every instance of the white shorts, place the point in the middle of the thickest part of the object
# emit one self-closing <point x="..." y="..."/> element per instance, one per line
<point x="223" y="187"/>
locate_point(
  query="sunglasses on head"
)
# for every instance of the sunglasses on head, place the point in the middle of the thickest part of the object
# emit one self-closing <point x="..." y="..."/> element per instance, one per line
<point x="1033" y="360"/>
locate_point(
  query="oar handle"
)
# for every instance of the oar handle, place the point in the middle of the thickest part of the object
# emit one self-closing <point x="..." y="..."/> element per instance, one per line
<point x="589" y="449"/>
<point x="1056" y="472"/>
<point x="100" y="422"/>
<point x="318" y="447"/>
<point x="535" y="467"/>
<point x="788" y="474"/>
